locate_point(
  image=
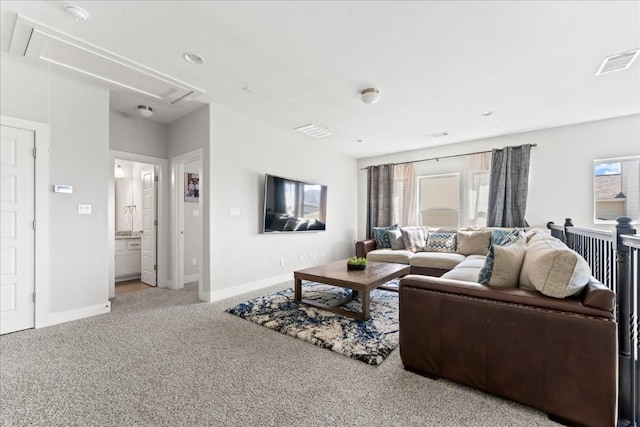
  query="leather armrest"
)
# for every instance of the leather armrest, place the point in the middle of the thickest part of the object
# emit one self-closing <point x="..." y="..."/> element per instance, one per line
<point x="598" y="296"/>
<point x="363" y="247"/>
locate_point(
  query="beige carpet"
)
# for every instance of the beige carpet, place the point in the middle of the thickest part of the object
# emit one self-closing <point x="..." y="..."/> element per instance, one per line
<point x="161" y="358"/>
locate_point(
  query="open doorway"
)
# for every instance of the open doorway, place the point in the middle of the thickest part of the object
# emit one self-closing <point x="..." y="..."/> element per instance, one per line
<point x="138" y="222"/>
<point x="135" y="224"/>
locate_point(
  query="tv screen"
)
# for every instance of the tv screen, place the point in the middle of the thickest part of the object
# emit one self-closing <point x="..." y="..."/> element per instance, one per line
<point x="293" y="206"/>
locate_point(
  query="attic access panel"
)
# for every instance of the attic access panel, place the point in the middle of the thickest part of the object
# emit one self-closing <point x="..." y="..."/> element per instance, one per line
<point x="45" y="45"/>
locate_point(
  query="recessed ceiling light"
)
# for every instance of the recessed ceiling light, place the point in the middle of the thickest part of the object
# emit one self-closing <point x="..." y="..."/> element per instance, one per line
<point x="192" y="58"/>
<point x="360" y="141"/>
<point x="76" y="12"/>
<point x="248" y="89"/>
<point x="487" y="113"/>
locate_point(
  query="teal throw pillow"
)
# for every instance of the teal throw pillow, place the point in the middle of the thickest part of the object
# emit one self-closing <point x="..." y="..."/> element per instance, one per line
<point x="382" y="237"/>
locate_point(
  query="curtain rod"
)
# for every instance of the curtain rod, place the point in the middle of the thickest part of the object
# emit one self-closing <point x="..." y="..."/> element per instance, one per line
<point x="438" y="158"/>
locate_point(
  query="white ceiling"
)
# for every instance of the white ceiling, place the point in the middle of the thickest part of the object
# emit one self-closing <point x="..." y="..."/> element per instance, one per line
<point x="438" y="65"/>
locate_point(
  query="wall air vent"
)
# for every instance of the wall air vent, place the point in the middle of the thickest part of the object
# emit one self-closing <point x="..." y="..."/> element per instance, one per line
<point x="314" y="131"/>
<point x="437" y="134"/>
<point x="618" y="62"/>
<point x="44" y="45"/>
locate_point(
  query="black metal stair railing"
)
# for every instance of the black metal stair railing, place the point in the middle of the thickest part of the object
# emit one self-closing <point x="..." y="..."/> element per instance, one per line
<point x="613" y="257"/>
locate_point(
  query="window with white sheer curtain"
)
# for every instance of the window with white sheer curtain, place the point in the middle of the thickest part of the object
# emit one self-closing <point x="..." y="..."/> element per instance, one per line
<point x="439" y="200"/>
<point x="478" y="171"/>
<point x="404" y="195"/>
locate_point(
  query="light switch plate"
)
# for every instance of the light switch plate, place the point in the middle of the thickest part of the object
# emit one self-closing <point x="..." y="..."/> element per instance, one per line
<point x="195" y="212"/>
<point x="234" y="211"/>
<point x="84" y="209"/>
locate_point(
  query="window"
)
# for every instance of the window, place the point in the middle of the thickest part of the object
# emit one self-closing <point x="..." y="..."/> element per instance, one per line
<point x="478" y="198"/>
<point x="439" y="200"/>
<point x="616" y="189"/>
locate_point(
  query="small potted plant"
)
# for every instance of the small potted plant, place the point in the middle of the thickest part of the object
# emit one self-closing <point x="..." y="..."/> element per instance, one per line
<point x="356" y="263"/>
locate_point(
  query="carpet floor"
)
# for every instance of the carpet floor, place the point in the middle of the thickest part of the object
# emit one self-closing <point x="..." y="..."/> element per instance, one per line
<point x="163" y="358"/>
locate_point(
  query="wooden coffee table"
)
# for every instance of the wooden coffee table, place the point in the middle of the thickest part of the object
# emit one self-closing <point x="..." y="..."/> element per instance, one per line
<point x="359" y="281"/>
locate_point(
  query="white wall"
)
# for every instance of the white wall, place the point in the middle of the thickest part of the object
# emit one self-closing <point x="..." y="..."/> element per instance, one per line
<point x="138" y="135"/>
<point x="242" y="151"/>
<point x="561" y="172"/>
<point x="192" y="231"/>
<point x="189" y="133"/>
<point x="78" y="116"/>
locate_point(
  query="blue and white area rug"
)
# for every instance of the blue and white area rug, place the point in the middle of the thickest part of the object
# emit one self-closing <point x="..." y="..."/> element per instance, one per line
<point x="369" y="341"/>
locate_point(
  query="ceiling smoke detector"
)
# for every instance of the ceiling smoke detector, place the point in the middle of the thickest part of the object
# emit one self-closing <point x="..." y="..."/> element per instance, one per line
<point x="145" y="110"/>
<point x="76" y="12"/>
<point x="370" y="95"/>
<point x="618" y="62"/>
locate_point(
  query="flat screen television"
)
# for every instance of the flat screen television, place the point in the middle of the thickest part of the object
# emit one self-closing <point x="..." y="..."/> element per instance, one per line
<point x="293" y="206"/>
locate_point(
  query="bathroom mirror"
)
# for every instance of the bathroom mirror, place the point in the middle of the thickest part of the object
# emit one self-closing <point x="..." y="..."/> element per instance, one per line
<point x="616" y="189"/>
<point x="125" y="207"/>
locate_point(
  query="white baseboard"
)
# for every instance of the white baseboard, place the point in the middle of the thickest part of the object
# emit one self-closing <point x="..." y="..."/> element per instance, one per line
<point x="192" y="278"/>
<point x="54" y="318"/>
<point x="221" y="294"/>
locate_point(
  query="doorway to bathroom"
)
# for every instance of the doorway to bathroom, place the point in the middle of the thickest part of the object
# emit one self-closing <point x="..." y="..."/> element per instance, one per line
<point x="135" y="222"/>
<point x="138" y="222"/>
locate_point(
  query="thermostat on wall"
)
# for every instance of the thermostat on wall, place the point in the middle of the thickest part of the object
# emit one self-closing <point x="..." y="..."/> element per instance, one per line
<point x="62" y="188"/>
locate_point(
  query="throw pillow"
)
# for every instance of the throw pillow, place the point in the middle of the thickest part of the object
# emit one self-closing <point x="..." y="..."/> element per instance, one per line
<point x="553" y="269"/>
<point x="473" y="242"/>
<point x="395" y="238"/>
<point x="414" y="238"/>
<point x="381" y="236"/>
<point x="499" y="237"/>
<point x="441" y="242"/>
<point x="507" y="263"/>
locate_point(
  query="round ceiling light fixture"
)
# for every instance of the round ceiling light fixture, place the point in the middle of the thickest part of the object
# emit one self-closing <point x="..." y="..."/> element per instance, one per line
<point x="192" y="58"/>
<point x="76" y="12"/>
<point x="487" y="113"/>
<point x="145" y="110"/>
<point x="370" y="95"/>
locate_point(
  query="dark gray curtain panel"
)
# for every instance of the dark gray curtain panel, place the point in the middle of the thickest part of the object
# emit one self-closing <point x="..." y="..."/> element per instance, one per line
<point x="380" y="197"/>
<point x="508" y="186"/>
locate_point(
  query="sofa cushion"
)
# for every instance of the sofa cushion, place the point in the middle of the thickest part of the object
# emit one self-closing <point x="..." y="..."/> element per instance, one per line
<point x="390" y="255"/>
<point x="553" y="269"/>
<point x="476" y="261"/>
<point x="441" y="242"/>
<point x="414" y="238"/>
<point x="441" y="260"/>
<point x="395" y="238"/>
<point x="381" y="236"/>
<point x="466" y="274"/>
<point x="507" y="263"/>
<point x="473" y="242"/>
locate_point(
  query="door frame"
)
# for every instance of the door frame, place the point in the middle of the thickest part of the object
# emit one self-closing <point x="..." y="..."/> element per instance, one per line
<point x="163" y="216"/>
<point x="41" y="201"/>
<point x="177" y="175"/>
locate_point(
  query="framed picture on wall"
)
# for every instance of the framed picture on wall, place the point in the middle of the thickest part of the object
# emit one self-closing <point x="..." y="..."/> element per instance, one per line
<point x="191" y="187"/>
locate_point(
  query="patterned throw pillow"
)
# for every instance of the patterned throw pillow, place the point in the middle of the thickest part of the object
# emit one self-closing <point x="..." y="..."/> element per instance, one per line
<point x="381" y="236"/>
<point x="441" y="242"/>
<point x="498" y="238"/>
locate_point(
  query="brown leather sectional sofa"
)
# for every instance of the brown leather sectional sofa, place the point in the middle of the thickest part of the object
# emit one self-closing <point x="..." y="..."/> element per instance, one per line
<point x="558" y="355"/>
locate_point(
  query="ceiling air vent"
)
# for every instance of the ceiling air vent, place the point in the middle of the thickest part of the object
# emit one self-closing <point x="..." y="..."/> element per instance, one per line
<point x="314" y="131"/>
<point x="618" y="62"/>
<point x="46" y="46"/>
<point x="437" y="134"/>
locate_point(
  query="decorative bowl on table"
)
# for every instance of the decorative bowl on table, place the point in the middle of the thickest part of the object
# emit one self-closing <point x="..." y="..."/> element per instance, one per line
<point x="356" y="263"/>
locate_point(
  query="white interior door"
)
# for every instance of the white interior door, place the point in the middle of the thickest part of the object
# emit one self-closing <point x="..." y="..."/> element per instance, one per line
<point x="148" y="253"/>
<point x="17" y="234"/>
